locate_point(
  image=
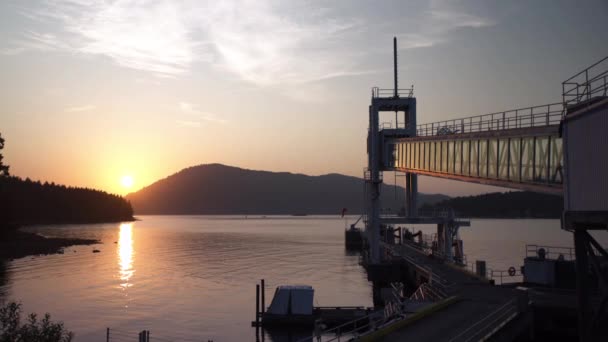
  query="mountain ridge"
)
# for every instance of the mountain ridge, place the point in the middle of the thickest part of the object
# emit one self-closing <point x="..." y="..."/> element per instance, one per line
<point x="216" y="189"/>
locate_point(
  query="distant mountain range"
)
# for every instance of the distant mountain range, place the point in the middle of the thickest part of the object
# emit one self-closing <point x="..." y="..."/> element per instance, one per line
<point x="216" y="189"/>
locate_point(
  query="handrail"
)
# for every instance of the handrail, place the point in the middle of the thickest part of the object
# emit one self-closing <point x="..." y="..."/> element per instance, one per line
<point x="556" y="251"/>
<point x="587" y="68"/>
<point x="502" y="274"/>
<point x="588" y="83"/>
<point x="436" y="281"/>
<point x="536" y="116"/>
<point x="497" y="314"/>
<point x="390" y="93"/>
<point x="373" y="317"/>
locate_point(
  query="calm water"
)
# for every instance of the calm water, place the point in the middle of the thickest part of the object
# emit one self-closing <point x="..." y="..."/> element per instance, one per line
<point x="193" y="278"/>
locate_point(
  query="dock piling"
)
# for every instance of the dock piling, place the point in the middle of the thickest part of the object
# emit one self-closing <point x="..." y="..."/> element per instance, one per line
<point x="480" y="266"/>
<point x="257" y="305"/>
<point x="263" y="296"/>
<point x="144" y="336"/>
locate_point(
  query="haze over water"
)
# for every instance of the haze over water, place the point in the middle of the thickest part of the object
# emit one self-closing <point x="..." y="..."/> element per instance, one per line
<point x="193" y="278"/>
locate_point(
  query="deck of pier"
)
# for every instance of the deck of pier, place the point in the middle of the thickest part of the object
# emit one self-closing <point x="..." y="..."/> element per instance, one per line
<point x="482" y="308"/>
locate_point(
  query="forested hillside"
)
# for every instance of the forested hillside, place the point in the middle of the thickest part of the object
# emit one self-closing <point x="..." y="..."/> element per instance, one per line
<point x="504" y="205"/>
<point x="29" y="202"/>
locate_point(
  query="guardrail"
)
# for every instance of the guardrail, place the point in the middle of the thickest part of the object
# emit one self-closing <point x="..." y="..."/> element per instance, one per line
<point x="504" y="276"/>
<point x="347" y="330"/>
<point x="551" y="252"/>
<point x="390" y="93"/>
<point x="118" y="335"/>
<point x="589" y="83"/>
<point x="497" y="318"/>
<point x="439" y="284"/>
<point x="389" y="125"/>
<point x="537" y="116"/>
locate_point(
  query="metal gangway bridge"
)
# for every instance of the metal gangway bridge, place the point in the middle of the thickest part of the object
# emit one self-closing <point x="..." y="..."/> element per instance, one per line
<point x="520" y="149"/>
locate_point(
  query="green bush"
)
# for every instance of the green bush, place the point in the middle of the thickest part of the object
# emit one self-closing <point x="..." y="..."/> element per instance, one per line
<point x="33" y="330"/>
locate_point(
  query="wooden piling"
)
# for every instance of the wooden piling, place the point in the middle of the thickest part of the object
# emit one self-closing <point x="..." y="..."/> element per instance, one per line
<point x="107" y="334"/>
<point x="144" y="336"/>
<point x="257" y="305"/>
<point x="263" y="297"/>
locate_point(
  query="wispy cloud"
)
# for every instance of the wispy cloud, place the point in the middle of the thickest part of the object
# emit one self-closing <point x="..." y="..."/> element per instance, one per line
<point x="192" y="110"/>
<point x="258" y="42"/>
<point x="263" y="42"/>
<point x="255" y="40"/>
<point x="143" y="35"/>
<point x="12" y="51"/>
<point x="185" y="123"/>
<point x="85" y="108"/>
<point x="442" y="18"/>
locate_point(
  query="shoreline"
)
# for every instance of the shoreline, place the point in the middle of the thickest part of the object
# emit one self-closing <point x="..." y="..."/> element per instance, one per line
<point x="18" y="244"/>
<point x="76" y="222"/>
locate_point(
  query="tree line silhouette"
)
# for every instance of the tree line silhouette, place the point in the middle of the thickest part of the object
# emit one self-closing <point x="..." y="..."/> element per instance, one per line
<point x="29" y="202"/>
<point x="23" y="201"/>
<point x="514" y="204"/>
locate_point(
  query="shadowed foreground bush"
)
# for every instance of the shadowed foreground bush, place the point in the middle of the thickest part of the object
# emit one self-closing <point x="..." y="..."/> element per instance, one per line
<point x="12" y="330"/>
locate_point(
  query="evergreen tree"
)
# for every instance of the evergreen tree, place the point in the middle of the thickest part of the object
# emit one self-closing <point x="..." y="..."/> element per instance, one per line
<point x="3" y="168"/>
<point x="28" y="202"/>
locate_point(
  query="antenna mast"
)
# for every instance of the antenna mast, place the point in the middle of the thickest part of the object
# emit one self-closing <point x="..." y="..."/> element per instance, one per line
<point x="395" y="64"/>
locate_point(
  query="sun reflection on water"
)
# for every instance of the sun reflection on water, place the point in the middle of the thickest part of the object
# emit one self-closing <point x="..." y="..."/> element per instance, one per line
<point x="125" y="254"/>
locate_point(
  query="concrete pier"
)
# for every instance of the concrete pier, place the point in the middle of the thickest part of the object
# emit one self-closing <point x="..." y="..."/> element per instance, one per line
<point x="482" y="309"/>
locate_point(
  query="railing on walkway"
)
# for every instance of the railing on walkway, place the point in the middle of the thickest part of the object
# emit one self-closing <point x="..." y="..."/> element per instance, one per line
<point x="348" y="330"/>
<point x="389" y="93"/>
<point x="501" y="277"/>
<point x="550" y="252"/>
<point x="489" y="324"/>
<point x="442" y="286"/>
<point x="389" y="125"/>
<point x="589" y="83"/>
<point x="123" y="335"/>
<point x="426" y="292"/>
<point x="118" y="335"/>
<point x="537" y="116"/>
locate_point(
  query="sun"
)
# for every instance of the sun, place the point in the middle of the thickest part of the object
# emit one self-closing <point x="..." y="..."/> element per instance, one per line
<point x="126" y="181"/>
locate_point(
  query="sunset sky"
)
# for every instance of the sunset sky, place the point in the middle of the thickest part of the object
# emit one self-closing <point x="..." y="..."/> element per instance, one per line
<point x="96" y="91"/>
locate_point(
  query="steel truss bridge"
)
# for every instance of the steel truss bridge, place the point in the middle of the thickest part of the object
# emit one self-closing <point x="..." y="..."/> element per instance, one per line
<point x="519" y="149"/>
